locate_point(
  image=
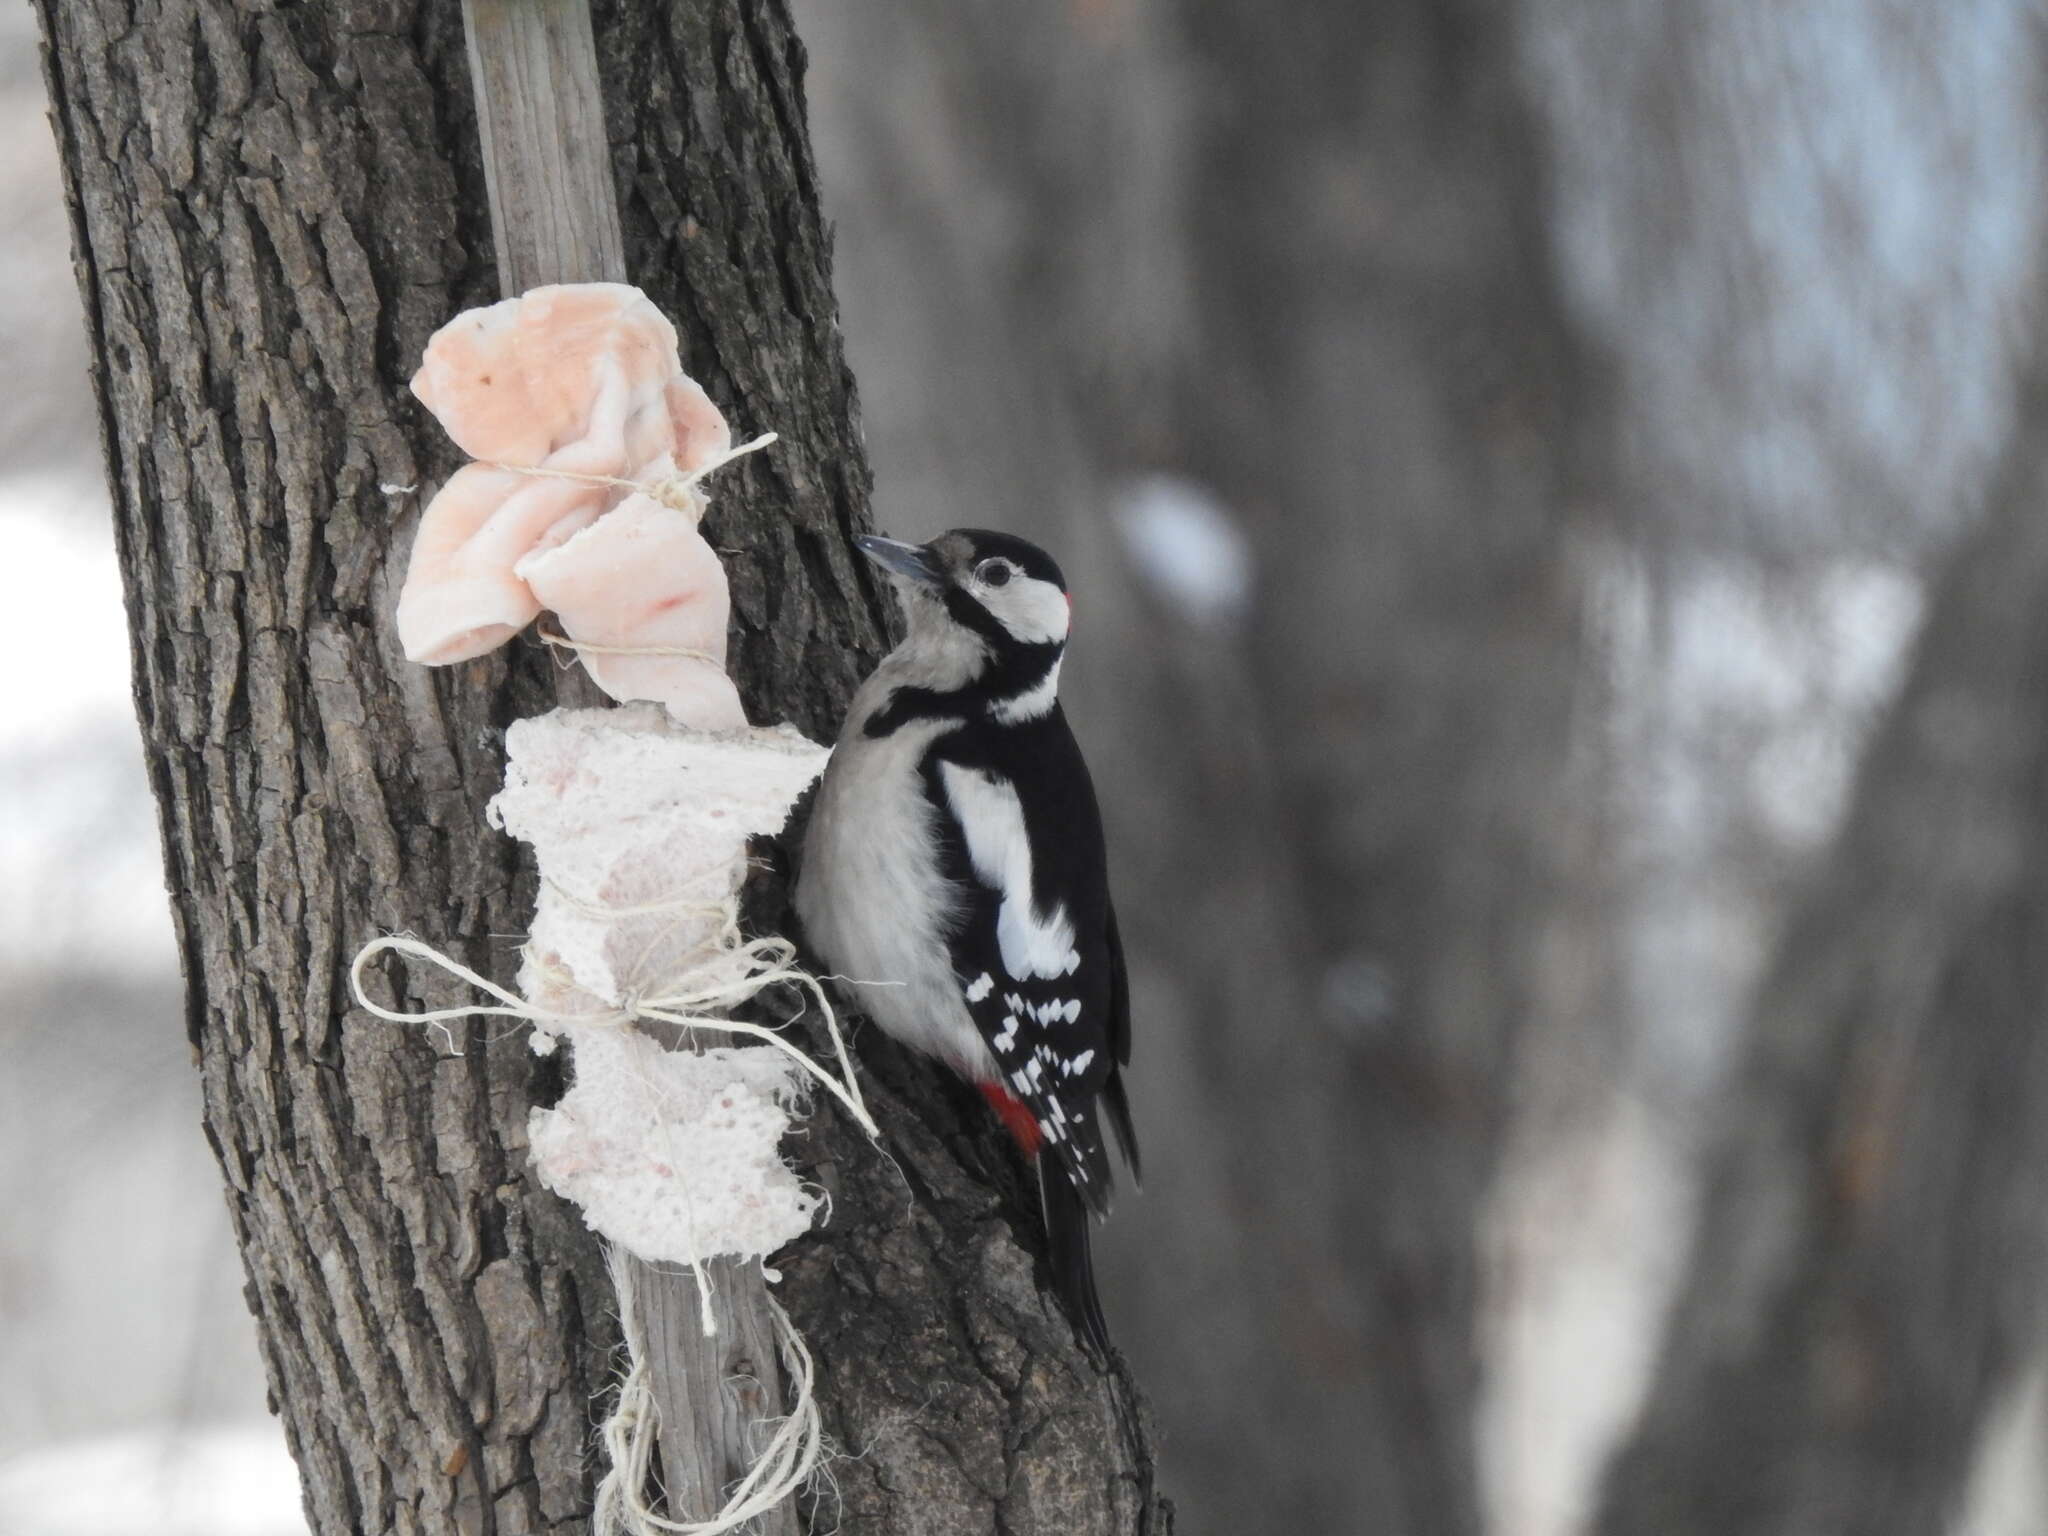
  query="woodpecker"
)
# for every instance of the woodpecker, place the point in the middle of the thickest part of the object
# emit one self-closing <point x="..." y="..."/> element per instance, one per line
<point x="955" y="860"/>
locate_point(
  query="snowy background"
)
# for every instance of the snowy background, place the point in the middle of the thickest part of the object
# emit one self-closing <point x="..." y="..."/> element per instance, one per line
<point x="1817" y="412"/>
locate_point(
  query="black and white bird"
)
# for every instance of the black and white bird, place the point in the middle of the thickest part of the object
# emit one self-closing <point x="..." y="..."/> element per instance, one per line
<point x="955" y="861"/>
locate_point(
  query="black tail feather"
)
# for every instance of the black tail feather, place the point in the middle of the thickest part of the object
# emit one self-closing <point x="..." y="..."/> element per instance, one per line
<point x="1073" y="1266"/>
<point x="1119" y="1106"/>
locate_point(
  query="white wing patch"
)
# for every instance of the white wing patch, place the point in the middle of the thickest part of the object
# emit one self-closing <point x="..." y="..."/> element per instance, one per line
<point x="992" y="822"/>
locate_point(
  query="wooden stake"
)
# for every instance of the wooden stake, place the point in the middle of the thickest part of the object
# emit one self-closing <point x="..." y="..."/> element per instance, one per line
<point x="540" y="114"/>
<point x="533" y="65"/>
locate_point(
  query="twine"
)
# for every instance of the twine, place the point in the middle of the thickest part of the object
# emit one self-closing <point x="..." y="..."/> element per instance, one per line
<point x="793" y="1455"/>
<point x="586" y="648"/>
<point x="769" y="959"/>
<point x="797" y="1450"/>
<point x="678" y="491"/>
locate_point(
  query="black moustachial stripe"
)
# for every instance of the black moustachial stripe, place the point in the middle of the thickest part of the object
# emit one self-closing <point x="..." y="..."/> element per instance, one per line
<point x="1011" y="671"/>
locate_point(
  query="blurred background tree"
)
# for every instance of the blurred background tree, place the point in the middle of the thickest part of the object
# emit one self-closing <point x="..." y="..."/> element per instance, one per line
<point x="1503" y="453"/>
<point x="1313" y="305"/>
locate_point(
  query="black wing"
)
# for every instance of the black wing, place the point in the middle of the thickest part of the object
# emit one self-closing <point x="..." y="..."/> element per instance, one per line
<point x="1040" y="965"/>
<point x="1032" y="944"/>
<point x="1114" y="1098"/>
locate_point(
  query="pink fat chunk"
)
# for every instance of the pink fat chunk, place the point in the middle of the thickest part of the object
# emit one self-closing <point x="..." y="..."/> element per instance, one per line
<point x="461" y="596"/>
<point x="517" y="381"/>
<point x="579" y="380"/>
<point x="642" y="578"/>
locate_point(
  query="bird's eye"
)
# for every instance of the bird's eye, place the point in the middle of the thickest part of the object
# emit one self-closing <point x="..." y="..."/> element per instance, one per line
<point x="992" y="573"/>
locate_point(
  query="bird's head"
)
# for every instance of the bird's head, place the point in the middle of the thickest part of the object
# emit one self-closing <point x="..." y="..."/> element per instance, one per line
<point x="978" y="608"/>
<point x="998" y="588"/>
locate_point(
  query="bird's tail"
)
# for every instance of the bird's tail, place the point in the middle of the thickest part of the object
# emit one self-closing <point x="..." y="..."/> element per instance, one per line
<point x="1073" y="1266"/>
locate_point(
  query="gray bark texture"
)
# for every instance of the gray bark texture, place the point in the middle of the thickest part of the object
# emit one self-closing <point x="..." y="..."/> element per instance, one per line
<point x="1873" y="1249"/>
<point x="272" y="209"/>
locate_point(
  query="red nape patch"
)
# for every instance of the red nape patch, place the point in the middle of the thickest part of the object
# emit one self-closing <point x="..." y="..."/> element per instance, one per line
<point x="1017" y="1120"/>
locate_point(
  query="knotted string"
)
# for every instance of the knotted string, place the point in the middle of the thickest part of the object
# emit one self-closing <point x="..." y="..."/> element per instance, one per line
<point x="678" y="490"/>
<point x="797" y="1449"/>
<point x="793" y="1454"/>
<point x="586" y="648"/>
<point x="769" y="962"/>
<point x="679" y="493"/>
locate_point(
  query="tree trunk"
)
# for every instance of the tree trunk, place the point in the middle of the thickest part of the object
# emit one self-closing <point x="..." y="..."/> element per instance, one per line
<point x="272" y="210"/>
<point x="1873" y="1247"/>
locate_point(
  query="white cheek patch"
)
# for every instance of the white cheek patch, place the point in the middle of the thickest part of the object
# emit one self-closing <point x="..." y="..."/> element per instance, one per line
<point x="1033" y="611"/>
<point x="992" y="823"/>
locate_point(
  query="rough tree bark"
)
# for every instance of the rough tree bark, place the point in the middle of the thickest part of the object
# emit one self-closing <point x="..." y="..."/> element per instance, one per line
<point x="1873" y="1247"/>
<point x="272" y="209"/>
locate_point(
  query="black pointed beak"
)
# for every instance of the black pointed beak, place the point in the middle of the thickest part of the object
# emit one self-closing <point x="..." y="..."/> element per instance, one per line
<point x="913" y="561"/>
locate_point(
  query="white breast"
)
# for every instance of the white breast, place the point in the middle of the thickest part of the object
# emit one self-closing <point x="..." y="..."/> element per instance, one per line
<point x="872" y="900"/>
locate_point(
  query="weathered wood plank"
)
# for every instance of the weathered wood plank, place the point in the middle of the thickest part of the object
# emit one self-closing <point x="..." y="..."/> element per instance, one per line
<point x="711" y="1436"/>
<point x="540" y="116"/>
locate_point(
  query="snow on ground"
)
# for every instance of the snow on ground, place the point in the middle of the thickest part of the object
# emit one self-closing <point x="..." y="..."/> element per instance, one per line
<point x="61" y="617"/>
<point x="213" y="1480"/>
<point x="105" y="1177"/>
<point x="84" y="876"/>
<point x="1585" y="1238"/>
<point x="2007" y="1493"/>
